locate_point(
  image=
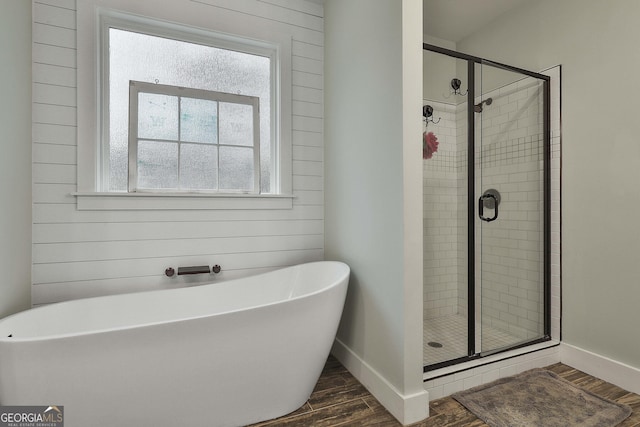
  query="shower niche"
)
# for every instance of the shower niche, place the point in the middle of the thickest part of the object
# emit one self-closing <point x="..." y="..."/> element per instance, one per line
<point x="487" y="208"/>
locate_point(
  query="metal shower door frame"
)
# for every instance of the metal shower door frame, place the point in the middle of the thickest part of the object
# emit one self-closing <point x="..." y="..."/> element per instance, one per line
<point x="474" y="353"/>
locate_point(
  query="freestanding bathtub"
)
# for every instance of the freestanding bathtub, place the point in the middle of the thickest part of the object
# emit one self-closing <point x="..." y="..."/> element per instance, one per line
<point x="223" y="354"/>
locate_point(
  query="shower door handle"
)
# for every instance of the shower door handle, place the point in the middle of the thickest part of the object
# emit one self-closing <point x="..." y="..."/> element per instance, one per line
<point x="481" y="201"/>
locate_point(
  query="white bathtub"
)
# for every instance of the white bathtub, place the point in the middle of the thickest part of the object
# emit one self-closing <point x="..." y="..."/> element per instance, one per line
<point x="224" y="354"/>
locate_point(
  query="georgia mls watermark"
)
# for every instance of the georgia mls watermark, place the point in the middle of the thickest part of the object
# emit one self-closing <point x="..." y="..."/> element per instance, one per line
<point x="32" y="416"/>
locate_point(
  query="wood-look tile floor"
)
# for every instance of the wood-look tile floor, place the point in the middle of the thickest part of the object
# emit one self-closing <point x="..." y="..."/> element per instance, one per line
<point x="340" y="400"/>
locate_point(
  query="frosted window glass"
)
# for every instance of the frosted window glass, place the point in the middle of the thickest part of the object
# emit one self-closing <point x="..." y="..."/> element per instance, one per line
<point x="236" y="124"/>
<point x="140" y="57"/>
<point x="157" y="164"/>
<point x="198" y="166"/>
<point x="157" y="116"/>
<point x="119" y="162"/>
<point x="236" y="168"/>
<point x="198" y="120"/>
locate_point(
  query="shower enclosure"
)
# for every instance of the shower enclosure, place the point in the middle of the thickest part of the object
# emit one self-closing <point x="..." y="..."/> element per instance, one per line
<point x="486" y="188"/>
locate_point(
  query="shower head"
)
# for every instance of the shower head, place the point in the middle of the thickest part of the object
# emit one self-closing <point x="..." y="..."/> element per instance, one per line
<point x="478" y="107"/>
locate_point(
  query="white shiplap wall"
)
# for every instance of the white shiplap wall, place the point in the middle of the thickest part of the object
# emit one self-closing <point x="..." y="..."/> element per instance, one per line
<point x="89" y="253"/>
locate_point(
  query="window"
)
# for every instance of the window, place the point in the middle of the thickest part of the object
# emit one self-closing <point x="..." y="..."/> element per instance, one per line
<point x="189" y="139"/>
<point x="227" y="72"/>
<point x="137" y="56"/>
<point x="213" y="55"/>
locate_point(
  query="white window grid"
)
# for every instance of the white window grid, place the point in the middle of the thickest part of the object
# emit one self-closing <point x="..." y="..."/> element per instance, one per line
<point x="137" y="87"/>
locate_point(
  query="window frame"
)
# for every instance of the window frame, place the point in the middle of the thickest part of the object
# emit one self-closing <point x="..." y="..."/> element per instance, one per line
<point x="197" y="28"/>
<point x="136" y="87"/>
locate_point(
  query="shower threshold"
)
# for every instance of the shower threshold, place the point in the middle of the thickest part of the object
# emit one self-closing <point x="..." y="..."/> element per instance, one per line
<point x="451" y="333"/>
<point x="520" y="352"/>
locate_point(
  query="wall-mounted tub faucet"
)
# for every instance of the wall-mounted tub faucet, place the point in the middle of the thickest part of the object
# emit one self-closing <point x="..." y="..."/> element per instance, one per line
<point x="197" y="269"/>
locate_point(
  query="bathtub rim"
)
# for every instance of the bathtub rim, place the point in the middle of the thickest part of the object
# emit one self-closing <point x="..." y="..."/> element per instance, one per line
<point x="333" y="284"/>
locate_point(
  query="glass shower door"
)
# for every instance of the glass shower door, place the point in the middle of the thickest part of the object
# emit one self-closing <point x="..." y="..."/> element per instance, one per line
<point x="445" y="214"/>
<point x="509" y="190"/>
<point x="486" y="188"/>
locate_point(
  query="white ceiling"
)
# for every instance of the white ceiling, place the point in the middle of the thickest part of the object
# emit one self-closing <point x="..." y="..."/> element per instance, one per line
<point x="453" y="20"/>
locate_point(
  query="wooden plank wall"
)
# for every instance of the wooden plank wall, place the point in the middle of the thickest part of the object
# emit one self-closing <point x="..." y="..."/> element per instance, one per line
<point x="91" y="253"/>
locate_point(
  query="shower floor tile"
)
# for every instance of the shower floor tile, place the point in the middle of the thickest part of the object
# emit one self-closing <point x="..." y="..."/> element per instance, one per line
<point x="451" y="333"/>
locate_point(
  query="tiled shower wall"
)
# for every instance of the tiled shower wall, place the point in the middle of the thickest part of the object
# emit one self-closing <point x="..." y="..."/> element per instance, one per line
<point x="440" y="200"/>
<point x="509" y="158"/>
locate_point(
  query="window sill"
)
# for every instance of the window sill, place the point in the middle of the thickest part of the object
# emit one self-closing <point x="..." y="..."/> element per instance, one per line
<point x="92" y="201"/>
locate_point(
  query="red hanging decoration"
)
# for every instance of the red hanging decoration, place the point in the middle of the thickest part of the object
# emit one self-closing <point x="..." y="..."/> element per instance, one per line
<point x="429" y="144"/>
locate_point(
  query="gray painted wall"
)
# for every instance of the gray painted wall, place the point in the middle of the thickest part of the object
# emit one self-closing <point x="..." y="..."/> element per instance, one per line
<point x="373" y="182"/>
<point x="15" y="158"/>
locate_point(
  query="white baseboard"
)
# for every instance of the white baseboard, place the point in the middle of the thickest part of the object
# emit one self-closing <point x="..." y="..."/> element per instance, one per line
<point x="602" y="367"/>
<point x="407" y="409"/>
